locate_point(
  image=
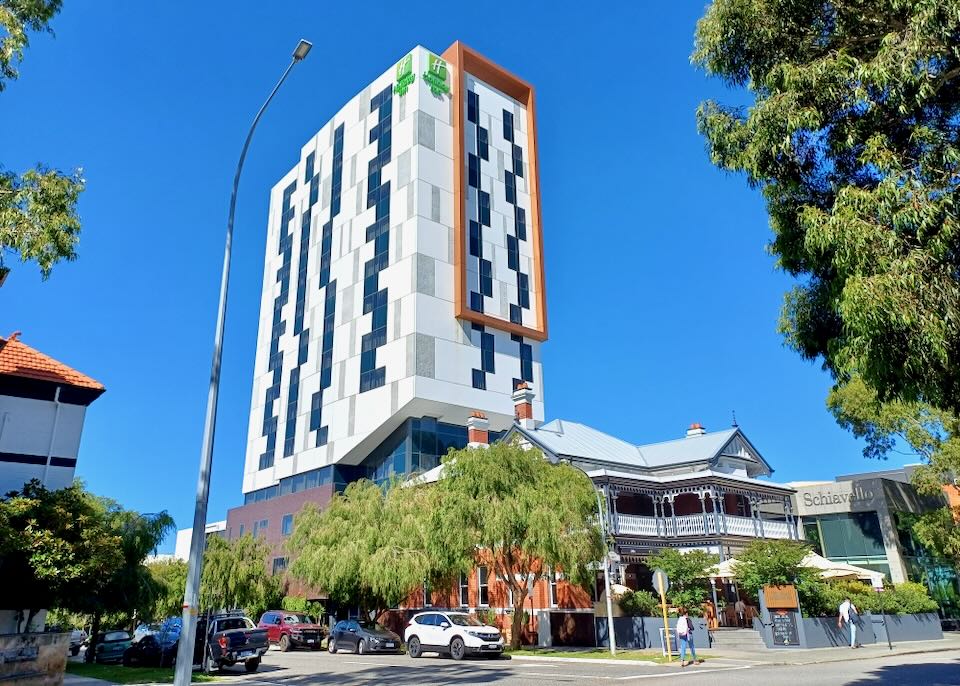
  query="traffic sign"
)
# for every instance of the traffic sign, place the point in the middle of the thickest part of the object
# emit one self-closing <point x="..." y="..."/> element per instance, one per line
<point x="660" y="581"/>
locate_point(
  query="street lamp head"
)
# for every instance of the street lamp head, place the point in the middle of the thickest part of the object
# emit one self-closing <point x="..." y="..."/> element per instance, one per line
<point x="303" y="47"/>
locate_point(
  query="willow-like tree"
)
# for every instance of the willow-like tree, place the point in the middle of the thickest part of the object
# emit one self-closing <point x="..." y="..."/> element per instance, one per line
<point x="513" y="510"/>
<point x="851" y="133"/>
<point x="235" y="575"/>
<point x="38" y="208"/>
<point x="371" y="546"/>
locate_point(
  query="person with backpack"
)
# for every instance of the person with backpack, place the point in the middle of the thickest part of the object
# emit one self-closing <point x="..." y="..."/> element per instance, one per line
<point x="685" y="636"/>
<point x="850" y="615"/>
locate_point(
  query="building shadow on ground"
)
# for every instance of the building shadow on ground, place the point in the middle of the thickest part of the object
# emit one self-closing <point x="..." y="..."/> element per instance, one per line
<point x="928" y="674"/>
<point x="439" y="671"/>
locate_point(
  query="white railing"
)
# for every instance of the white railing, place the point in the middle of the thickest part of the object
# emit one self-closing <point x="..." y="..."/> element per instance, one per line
<point x="690" y="525"/>
<point x="740" y="526"/>
<point x="635" y="525"/>
<point x="776" y="529"/>
<point x="693" y="525"/>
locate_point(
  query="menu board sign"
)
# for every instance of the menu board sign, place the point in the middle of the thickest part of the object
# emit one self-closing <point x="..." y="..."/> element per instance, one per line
<point x="784" y="628"/>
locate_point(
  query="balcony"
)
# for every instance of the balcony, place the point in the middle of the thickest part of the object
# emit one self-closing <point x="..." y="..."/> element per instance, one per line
<point x="698" y="525"/>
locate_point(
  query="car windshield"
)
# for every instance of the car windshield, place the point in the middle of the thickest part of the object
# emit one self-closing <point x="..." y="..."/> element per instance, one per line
<point x="116" y="636"/>
<point x="372" y="626"/>
<point x="298" y="619"/>
<point x="465" y="620"/>
<point x="234" y="623"/>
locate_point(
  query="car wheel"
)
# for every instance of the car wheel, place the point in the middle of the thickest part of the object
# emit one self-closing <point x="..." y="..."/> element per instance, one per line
<point x="127" y="662"/>
<point x="209" y="666"/>
<point x="413" y="647"/>
<point x="457" y="649"/>
<point x="331" y="646"/>
<point x="75" y="650"/>
<point x="252" y="665"/>
<point x="360" y="646"/>
<point x="284" y="643"/>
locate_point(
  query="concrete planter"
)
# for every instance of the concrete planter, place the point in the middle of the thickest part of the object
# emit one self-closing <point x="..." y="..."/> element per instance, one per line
<point x="822" y="632"/>
<point x="33" y="659"/>
<point x="644" y="632"/>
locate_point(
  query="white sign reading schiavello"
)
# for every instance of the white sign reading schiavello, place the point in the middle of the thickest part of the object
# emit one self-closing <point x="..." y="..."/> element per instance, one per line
<point x="839" y="496"/>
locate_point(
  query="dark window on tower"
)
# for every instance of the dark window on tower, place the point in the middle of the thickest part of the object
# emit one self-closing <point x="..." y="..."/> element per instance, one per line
<point x="520" y="217"/>
<point x="473" y="167"/>
<point x="486" y="352"/>
<point x="510" y="184"/>
<point x="473" y="107"/>
<point x="526" y="362"/>
<point x="486" y="278"/>
<point x="508" y="126"/>
<point x="483" y="146"/>
<point x="484" y="202"/>
<point x="518" y="161"/>
<point x="479" y="379"/>
<point x="513" y="253"/>
<point x="523" y="286"/>
<point x="516" y="314"/>
<point x="474" y="238"/>
<point x="476" y="301"/>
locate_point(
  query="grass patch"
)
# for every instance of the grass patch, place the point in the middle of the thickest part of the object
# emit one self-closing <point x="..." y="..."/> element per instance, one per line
<point x="596" y="653"/>
<point x="119" y="674"/>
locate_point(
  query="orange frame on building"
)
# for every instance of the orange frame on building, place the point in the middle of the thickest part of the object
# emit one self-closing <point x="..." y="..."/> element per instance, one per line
<point x="462" y="59"/>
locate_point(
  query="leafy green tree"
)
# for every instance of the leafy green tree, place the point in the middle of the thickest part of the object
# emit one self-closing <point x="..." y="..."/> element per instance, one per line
<point x="931" y="434"/>
<point x="38" y="209"/>
<point x="688" y="574"/>
<point x="639" y="603"/>
<point x="296" y="603"/>
<point x="235" y="575"/>
<point x="777" y="563"/>
<point x="54" y="545"/>
<point x="129" y="591"/>
<point x="169" y="579"/>
<point x="526" y="515"/>
<point x="851" y="135"/>
<point x="370" y="546"/>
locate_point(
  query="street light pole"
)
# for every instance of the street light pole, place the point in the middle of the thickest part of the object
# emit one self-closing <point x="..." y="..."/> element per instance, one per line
<point x="606" y="563"/>
<point x="188" y="627"/>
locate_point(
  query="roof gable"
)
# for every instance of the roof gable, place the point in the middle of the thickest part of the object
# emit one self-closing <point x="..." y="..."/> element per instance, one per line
<point x="20" y="360"/>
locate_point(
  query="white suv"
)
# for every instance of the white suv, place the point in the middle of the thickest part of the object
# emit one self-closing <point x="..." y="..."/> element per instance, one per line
<point x="455" y="633"/>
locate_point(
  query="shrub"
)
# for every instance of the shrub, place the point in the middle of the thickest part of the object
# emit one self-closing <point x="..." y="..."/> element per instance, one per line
<point x="900" y="599"/>
<point x="639" y="604"/>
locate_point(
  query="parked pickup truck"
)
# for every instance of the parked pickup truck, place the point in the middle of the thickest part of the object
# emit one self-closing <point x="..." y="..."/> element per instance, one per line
<point x="229" y="639"/>
<point x="292" y="630"/>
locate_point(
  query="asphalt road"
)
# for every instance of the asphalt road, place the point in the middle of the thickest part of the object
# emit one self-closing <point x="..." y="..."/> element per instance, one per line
<point x="304" y="668"/>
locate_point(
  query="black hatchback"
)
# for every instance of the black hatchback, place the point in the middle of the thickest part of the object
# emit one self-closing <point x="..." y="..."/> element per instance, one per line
<point x="361" y="636"/>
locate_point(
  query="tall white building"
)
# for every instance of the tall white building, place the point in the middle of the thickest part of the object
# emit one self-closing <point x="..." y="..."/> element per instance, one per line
<point x="403" y="283"/>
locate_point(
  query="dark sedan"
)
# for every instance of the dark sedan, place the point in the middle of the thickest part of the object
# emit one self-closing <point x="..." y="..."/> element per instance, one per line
<point x="150" y="652"/>
<point x="111" y="645"/>
<point x="360" y="636"/>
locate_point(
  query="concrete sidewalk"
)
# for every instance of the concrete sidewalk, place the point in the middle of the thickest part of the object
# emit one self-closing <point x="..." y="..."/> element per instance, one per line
<point x="787" y="656"/>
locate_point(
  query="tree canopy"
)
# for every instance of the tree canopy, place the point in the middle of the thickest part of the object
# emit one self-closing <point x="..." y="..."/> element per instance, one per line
<point x="688" y="574"/>
<point x="528" y="517"/>
<point x="235" y="575"/>
<point x="853" y="135"/>
<point x="38" y="208"/>
<point x="370" y="546"/>
<point x="777" y="563"/>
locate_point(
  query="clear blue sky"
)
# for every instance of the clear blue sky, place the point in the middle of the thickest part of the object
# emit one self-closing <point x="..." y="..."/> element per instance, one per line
<point x="662" y="300"/>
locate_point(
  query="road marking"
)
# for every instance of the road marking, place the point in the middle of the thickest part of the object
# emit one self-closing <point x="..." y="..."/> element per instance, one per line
<point x="690" y="673"/>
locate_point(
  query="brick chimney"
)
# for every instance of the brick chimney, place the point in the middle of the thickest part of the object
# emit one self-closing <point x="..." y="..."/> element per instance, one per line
<point x="696" y="429"/>
<point x="523" y="406"/>
<point x="478" y="427"/>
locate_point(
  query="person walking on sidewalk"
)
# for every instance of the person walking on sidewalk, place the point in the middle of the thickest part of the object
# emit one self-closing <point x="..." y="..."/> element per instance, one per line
<point x="850" y="615"/>
<point x="685" y="635"/>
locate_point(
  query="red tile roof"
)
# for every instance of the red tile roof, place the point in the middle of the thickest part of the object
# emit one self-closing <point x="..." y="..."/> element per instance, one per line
<point x="19" y="359"/>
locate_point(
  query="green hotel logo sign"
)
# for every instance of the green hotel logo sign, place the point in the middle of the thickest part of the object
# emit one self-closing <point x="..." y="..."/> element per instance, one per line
<point x="436" y="75"/>
<point x="405" y="75"/>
